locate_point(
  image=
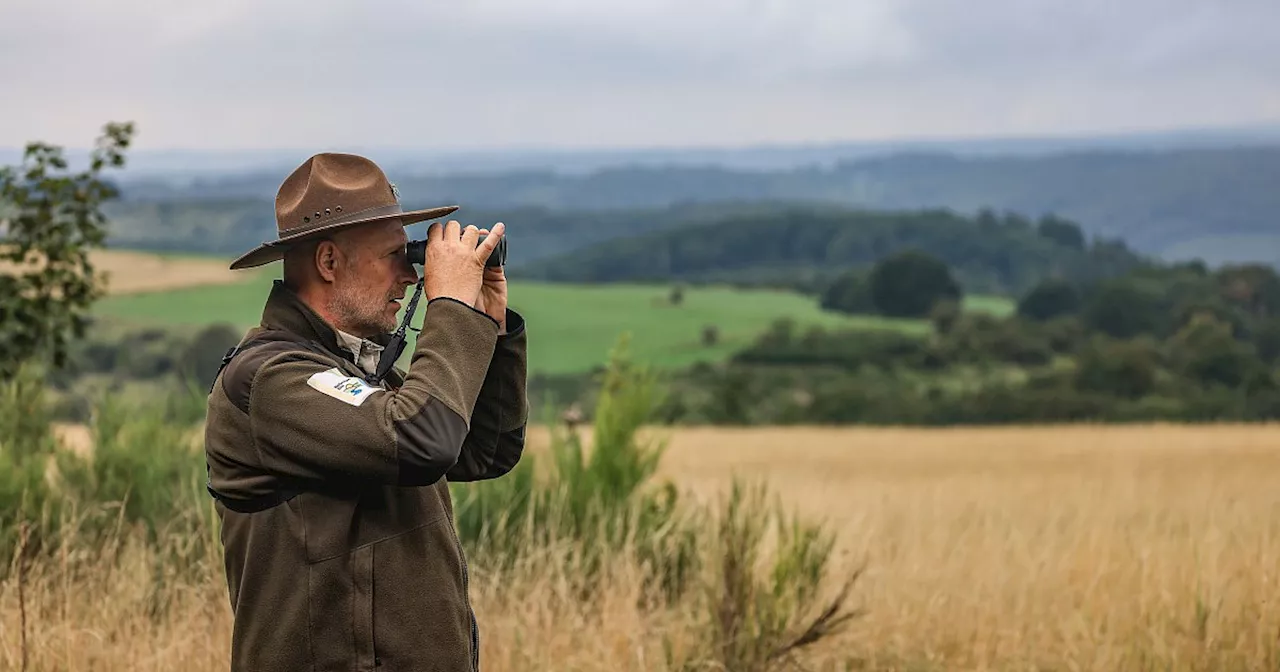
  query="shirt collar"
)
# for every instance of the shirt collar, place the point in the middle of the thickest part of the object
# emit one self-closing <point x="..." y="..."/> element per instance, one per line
<point x="364" y="352"/>
<point x="284" y="310"/>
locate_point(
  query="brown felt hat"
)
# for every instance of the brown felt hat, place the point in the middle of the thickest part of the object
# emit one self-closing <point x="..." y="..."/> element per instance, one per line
<point x="330" y="192"/>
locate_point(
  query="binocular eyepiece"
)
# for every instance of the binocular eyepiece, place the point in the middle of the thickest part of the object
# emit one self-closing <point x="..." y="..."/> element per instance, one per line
<point x="416" y="250"/>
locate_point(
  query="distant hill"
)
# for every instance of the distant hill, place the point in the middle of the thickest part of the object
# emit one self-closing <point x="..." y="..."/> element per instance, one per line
<point x="177" y="166"/>
<point x="803" y="247"/>
<point x="1220" y="204"/>
<point x="231" y="226"/>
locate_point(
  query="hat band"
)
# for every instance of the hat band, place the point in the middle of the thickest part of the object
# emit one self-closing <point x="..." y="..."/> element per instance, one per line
<point x="316" y="223"/>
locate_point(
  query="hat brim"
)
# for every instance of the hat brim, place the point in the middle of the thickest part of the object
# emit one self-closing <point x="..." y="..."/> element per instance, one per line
<point x="274" y="250"/>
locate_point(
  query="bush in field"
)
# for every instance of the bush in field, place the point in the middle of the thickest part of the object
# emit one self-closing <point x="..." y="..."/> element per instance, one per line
<point x="1128" y="307"/>
<point x="849" y="292"/>
<point x="48" y="223"/>
<point x="26" y="445"/>
<point x="1206" y="351"/>
<point x="757" y="609"/>
<point x="909" y="283"/>
<point x="597" y="499"/>
<point x="1126" y="369"/>
<point x="944" y="316"/>
<point x="756" y="576"/>
<point x="142" y="461"/>
<point x="759" y="612"/>
<point x="143" y="470"/>
<point x="1266" y="339"/>
<point x="981" y="338"/>
<point x="1050" y="298"/>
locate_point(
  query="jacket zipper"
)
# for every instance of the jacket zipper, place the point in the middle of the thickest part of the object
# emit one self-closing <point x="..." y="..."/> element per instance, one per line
<point x="466" y="596"/>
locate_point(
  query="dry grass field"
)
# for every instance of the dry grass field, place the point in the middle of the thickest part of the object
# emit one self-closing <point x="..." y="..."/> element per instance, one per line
<point x="129" y="272"/>
<point x="136" y="272"/>
<point x="1082" y="548"/>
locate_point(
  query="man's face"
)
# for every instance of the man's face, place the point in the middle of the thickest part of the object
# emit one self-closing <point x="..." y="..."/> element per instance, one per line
<point x="371" y="278"/>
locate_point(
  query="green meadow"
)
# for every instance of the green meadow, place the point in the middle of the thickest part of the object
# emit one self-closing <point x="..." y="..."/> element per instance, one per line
<point x="572" y="327"/>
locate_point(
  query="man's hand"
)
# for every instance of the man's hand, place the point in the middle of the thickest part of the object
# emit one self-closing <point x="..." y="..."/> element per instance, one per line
<point x="455" y="266"/>
<point x="493" y="292"/>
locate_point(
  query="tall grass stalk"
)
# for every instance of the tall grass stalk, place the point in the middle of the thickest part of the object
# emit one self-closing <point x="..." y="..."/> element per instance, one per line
<point x="144" y="468"/>
<point x="588" y="507"/>
<point x="598" y="499"/>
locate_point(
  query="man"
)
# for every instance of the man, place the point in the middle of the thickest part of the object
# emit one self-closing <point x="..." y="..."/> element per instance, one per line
<point x="338" y="530"/>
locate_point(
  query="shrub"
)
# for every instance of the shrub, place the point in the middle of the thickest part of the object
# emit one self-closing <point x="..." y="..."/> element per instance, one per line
<point x="1122" y="368"/>
<point x="1064" y="334"/>
<point x="142" y="471"/>
<point x="1128" y="307"/>
<point x="1206" y="351"/>
<point x="142" y="461"/>
<point x="944" y="315"/>
<point x="52" y="219"/>
<point x="594" y="506"/>
<point x="596" y="500"/>
<point x="1049" y="299"/>
<point x="1266" y="339"/>
<point x="849" y="292"/>
<point x="758" y="612"/>
<point x="983" y="338"/>
<point x="27" y="444"/>
<point x="908" y="284"/>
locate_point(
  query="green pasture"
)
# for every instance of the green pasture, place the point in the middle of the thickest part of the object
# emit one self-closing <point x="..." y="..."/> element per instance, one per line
<point x="572" y="327"/>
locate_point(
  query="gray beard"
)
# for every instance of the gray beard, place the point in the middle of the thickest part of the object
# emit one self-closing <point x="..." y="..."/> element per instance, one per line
<point x="359" y="316"/>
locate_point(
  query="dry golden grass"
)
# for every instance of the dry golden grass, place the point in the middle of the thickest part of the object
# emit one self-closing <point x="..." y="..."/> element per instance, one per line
<point x="129" y="272"/>
<point x="136" y="272"/>
<point x="1096" y="548"/>
<point x="1084" y="548"/>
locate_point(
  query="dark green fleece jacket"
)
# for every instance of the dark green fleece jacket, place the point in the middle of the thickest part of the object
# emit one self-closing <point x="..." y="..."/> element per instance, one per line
<point x="361" y="569"/>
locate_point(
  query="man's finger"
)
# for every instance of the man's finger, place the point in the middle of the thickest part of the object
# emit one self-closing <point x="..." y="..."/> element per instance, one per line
<point x="451" y="230"/>
<point x="486" y="248"/>
<point x="470" y="235"/>
<point x="434" y="232"/>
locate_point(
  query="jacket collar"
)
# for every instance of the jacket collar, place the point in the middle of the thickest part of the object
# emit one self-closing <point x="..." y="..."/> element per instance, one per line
<point x="286" y="311"/>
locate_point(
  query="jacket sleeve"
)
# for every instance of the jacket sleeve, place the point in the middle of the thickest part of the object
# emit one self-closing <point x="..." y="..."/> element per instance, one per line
<point x="496" y="440"/>
<point x="312" y="421"/>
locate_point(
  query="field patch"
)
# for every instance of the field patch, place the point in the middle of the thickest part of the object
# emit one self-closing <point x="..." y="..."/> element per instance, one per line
<point x="1067" y="548"/>
<point x="133" y="272"/>
<point x="130" y="272"/>
<point x="572" y="327"/>
<point x="1075" y="547"/>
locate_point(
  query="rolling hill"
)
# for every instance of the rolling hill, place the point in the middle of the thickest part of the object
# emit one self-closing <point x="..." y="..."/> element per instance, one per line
<point x="802" y="247"/>
<point x="1218" y="203"/>
<point x="572" y="327"/>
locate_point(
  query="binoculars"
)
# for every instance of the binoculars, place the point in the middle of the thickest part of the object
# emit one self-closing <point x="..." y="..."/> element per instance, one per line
<point x="416" y="250"/>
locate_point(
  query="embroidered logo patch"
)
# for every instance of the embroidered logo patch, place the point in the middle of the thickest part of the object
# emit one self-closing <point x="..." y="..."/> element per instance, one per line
<point x="339" y="386"/>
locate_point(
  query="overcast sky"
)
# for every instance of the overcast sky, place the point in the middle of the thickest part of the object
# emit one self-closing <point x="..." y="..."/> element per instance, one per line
<point x="237" y="74"/>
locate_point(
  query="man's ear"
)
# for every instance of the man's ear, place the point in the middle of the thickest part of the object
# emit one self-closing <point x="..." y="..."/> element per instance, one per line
<point x="327" y="259"/>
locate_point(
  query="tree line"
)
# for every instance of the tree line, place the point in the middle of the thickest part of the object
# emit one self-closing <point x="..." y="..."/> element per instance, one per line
<point x="1176" y="342"/>
<point x="807" y="247"/>
<point x="1152" y="199"/>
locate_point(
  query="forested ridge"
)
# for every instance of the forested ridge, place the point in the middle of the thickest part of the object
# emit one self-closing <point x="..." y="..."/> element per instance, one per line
<point x="804" y="248"/>
<point x="1218" y="204"/>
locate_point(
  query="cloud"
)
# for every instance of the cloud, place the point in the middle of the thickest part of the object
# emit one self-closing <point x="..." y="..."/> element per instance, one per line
<point x="582" y="72"/>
